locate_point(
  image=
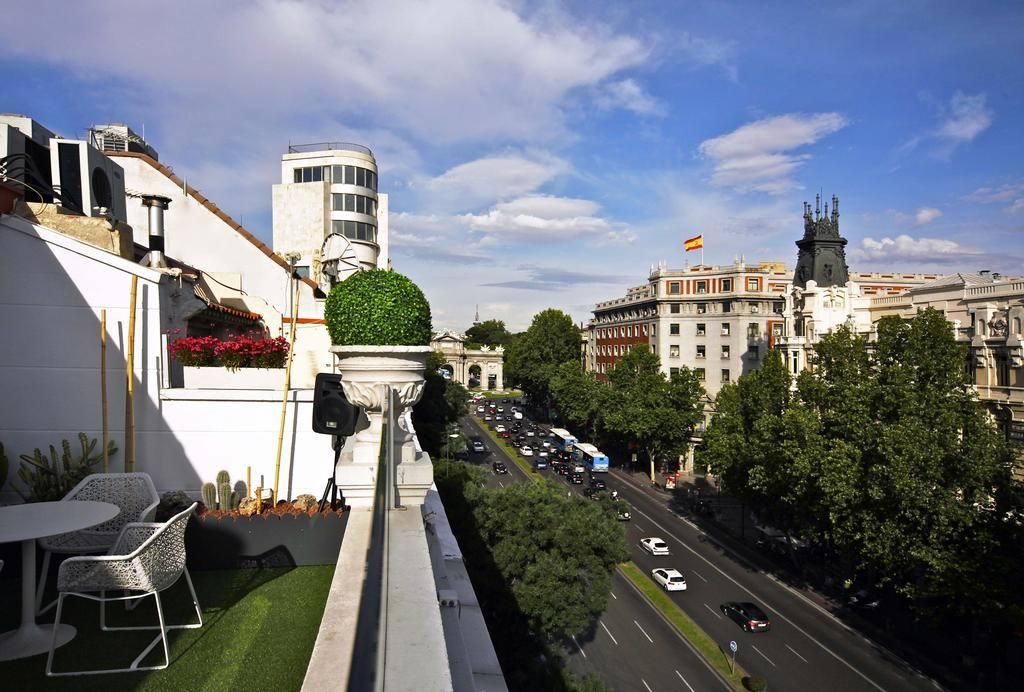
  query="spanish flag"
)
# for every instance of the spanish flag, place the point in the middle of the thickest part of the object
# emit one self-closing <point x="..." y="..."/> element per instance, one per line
<point x="694" y="243"/>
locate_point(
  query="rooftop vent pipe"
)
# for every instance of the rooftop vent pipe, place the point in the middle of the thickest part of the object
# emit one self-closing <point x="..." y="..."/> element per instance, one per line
<point x="156" y="205"/>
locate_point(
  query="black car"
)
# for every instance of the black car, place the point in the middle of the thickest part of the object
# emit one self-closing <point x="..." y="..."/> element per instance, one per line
<point x="747" y="615"/>
<point x="575" y="478"/>
<point x="499" y="467"/>
<point x="598" y="484"/>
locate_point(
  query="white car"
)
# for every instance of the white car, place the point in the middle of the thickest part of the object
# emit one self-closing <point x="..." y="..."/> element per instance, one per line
<point x="479" y="409"/>
<point x="529" y="433"/>
<point x="670" y="579"/>
<point x="501" y="409"/>
<point x="542" y="453"/>
<point x="526" y="451"/>
<point x="654" y="545"/>
<point x="547" y="444"/>
<point x="487" y="417"/>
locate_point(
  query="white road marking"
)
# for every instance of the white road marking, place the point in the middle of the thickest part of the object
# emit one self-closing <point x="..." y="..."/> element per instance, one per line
<point x="713" y="611"/>
<point x="756" y="596"/>
<point x="614" y="640"/>
<point x="638" y="528"/>
<point x="578" y="646"/>
<point x="795" y="653"/>
<point x="646" y="685"/>
<point x="699" y="575"/>
<point x="642" y="630"/>
<point x="613" y="595"/>
<point x="501" y="484"/>
<point x="684" y="681"/>
<point x="762" y="655"/>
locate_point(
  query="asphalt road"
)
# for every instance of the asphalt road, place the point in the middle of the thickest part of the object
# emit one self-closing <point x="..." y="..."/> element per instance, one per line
<point x="806" y="649"/>
<point x="631" y="647"/>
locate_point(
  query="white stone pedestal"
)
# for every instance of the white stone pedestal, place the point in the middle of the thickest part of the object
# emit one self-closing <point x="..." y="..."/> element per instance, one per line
<point x="367" y="374"/>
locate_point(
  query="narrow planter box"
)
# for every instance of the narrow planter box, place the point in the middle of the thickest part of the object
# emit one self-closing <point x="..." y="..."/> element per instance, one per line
<point x="265" y="540"/>
<point x="242" y="378"/>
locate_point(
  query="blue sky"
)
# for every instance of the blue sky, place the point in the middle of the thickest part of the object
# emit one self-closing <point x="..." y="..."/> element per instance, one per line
<point x="546" y="154"/>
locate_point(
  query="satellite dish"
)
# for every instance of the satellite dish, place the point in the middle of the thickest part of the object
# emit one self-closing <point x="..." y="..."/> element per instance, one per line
<point x="338" y="261"/>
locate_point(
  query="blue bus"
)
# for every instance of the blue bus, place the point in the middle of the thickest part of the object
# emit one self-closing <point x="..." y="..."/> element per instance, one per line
<point x="590" y="456"/>
<point x="562" y="439"/>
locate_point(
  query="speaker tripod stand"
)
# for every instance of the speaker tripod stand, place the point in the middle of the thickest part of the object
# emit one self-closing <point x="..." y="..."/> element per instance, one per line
<point x="337" y="441"/>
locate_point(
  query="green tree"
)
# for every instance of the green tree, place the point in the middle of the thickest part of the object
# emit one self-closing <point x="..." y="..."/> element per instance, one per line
<point x="644" y="407"/>
<point x="489" y="332"/>
<point x="443" y="402"/>
<point x="533" y="359"/>
<point x="579" y="397"/>
<point x="556" y="553"/>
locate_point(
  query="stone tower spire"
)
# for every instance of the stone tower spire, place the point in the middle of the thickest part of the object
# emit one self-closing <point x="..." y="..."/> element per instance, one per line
<point x="822" y="256"/>
<point x="476" y="318"/>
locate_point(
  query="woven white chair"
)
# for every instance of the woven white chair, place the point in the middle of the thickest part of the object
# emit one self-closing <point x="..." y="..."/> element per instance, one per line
<point x="134" y="493"/>
<point x="146" y="559"/>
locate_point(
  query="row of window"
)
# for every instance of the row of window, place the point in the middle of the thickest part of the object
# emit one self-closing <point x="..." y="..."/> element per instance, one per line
<point x="701" y="286"/>
<point x="726" y="375"/>
<point x="356" y="203"/>
<point x="753" y="329"/>
<point x="341" y="175"/>
<point x="619" y="332"/>
<point x="355" y="230"/>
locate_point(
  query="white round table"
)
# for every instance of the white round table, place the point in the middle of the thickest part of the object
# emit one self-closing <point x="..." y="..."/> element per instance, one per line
<point x="26" y="523"/>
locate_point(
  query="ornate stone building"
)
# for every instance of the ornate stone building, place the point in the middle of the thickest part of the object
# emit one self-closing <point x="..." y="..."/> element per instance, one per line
<point x="485" y="365"/>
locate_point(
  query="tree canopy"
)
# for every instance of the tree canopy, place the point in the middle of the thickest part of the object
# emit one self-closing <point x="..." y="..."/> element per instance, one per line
<point x="443" y="402"/>
<point x="490" y="333"/>
<point x="532" y="359"/>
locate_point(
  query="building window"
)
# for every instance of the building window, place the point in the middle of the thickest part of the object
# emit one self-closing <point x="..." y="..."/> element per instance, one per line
<point x="355" y="175"/>
<point x="311" y="174"/>
<point x="673" y="351"/>
<point x="700" y="328"/>
<point x="674" y="308"/>
<point x="726" y="285"/>
<point x="755" y="308"/>
<point x="355" y="230"/>
<point x="645" y="330"/>
<point x="776" y="330"/>
<point x="725" y="351"/>
<point x="753" y="330"/>
<point x="700" y="351"/>
<point x="725" y="329"/>
<point x="702" y="308"/>
<point x="356" y="203"/>
<point x="702" y="287"/>
<point x="700" y="373"/>
<point x="629" y="331"/>
<point x="654" y="329"/>
<point x="727" y="306"/>
<point x="778" y="307"/>
<point x="673" y="329"/>
<point x="672" y="372"/>
<point x="725" y="377"/>
<point x="753" y="284"/>
<point x="674" y="288"/>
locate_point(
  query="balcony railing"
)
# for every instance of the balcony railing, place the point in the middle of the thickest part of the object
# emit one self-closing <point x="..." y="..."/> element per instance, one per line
<point x="328" y="146"/>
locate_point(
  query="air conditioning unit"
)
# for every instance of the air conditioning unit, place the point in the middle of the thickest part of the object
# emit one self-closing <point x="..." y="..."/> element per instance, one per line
<point x="88" y="180"/>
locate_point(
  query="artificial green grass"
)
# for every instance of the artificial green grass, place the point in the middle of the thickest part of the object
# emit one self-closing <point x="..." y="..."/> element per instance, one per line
<point x="259" y="626"/>
<point x="682" y="622"/>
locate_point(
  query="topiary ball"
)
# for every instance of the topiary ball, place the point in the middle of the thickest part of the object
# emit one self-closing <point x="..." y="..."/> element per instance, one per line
<point x="377" y="308"/>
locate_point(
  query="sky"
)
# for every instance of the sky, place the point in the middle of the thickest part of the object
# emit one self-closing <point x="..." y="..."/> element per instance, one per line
<point x="547" y="154"/>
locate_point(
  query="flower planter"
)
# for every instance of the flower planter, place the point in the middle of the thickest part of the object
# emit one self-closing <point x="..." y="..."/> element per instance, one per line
<point x="267" y="540"/>
<point x="242" y="378"/>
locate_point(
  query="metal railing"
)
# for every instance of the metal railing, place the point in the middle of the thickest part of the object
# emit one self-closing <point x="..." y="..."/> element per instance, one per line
<point x="328" y="146"/>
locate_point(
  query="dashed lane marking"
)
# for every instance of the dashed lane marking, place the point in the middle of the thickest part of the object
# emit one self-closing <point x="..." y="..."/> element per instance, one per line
<point x="699" y="575"/>
<point x="614" y="640"/>
<point x="763" y="656"/>
<point x="795" y="653"/>
<point x="713" y="611"/>
<point x="578" y="646"/>
<point x="642" y="630"/>
<point x="684" y="681"/>
<point x="646" y="685"/>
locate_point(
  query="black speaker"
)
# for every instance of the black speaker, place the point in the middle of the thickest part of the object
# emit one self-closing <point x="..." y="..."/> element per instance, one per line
<point x="332" y="412"/>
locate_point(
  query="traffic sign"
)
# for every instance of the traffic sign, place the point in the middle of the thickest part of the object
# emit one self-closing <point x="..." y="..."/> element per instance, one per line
<point x="732" y="646"/>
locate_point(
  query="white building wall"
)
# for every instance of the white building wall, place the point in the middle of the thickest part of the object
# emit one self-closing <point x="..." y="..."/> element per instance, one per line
<point x="51" y="292"/>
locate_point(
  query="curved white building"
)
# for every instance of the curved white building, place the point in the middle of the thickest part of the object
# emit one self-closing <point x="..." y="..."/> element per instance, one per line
<point x="330" y="188"/>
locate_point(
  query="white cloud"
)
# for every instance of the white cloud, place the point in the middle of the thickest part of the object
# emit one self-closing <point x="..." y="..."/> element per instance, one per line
<point x="706" y="51"/>
<point x="755" y="156"/>
<point x="1010" y="192"/>
<point x="629" y="95"/>
<point x="441" y="70"/>
<point x="550" y="206"/>
<point x="925" y="215"/>
<point x="487" y="180"/>
<point x="540" y="215"/>
<point x="964" y="118"/>
<point x="904" y="247"/>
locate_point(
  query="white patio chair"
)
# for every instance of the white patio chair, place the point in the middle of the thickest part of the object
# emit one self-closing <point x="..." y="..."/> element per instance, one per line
<point x="134" y="493"/>
<point x="146" y="559"/>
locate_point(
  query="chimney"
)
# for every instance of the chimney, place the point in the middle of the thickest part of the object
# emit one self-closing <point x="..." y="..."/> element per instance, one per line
<point x="156" y="205"/>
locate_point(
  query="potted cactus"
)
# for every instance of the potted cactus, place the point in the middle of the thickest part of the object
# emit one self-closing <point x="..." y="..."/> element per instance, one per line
<point x="379" y="322"/>
<point x="228" y="533"/>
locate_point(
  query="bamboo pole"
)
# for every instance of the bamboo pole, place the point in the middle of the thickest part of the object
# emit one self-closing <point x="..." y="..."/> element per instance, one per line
<point x="129" y="399"/>
<point x="103" y="388"/>
<point x="284" y="394"/>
